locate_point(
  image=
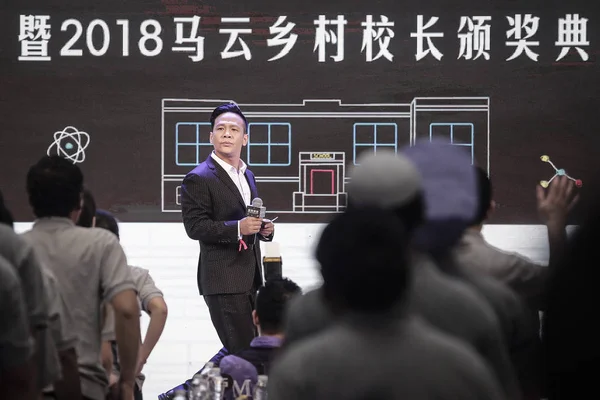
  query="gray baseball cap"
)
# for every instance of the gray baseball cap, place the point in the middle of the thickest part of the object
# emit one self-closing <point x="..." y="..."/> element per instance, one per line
<point x="383" y="179"/>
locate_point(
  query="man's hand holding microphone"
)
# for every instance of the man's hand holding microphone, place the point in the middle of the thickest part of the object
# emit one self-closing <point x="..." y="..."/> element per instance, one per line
<point x="267" y="228"/>
<point x="255" y="221"/>
<point x="250" y="225"/>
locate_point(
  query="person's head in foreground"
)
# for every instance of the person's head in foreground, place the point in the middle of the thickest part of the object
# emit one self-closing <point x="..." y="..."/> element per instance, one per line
<point x="363" y="258"/>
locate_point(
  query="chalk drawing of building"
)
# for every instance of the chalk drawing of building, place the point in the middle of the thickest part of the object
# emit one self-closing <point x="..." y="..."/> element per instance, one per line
<point x="300" y="152"/>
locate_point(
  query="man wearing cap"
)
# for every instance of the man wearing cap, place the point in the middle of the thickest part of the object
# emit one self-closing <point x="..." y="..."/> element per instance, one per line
<point x="376" y="348"/>
<point x="384" y="180"/>
<point x="391" y="181"/>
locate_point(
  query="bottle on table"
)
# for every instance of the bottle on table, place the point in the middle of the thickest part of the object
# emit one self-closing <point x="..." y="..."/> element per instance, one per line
<point x="260" y="390"/>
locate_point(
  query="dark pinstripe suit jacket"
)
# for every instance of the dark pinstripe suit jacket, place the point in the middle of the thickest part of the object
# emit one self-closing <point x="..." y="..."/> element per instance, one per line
<point x="211" y="206"/>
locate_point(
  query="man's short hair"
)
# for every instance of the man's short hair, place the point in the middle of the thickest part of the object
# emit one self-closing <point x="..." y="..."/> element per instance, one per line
<point x="485" y="194"/>
<point x="227" y="108"/>
<point x="106" y="220"/>
<point x="88" y="211"/>
<point x="271" y="302"/>
<point x="54" y="187"/>
<point x="364" y="260"/>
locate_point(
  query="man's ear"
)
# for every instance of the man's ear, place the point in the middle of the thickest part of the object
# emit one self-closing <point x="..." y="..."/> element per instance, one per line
<point x="255" y="318"/>
<point x="211" y="137"/>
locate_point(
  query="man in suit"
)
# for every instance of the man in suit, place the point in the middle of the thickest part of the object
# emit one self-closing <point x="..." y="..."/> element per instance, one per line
<point x="214" y="198"/>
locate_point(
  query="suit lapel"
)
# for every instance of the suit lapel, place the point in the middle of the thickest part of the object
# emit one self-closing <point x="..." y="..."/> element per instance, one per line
<point x="253" y="192"/>
<point x="250" y="179"/>
<point x="225" y="178"/>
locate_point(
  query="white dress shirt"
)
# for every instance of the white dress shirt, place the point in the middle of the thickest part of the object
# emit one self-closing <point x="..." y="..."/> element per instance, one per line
<point x="239" y="180"/>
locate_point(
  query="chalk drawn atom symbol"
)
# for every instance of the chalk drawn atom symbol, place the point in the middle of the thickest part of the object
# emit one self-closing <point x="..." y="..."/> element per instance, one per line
<point x="558" y="172"/>
<point x="70" y="143"/>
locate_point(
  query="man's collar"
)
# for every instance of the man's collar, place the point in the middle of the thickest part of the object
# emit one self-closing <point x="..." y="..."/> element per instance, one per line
<point x="266" y="341"/>
<point x="53" y="221"/>
<point x="370" y="320"/>
<point x="472" y="235"/>
<point x="474" y="231"/>
<point x="228" y="167"/>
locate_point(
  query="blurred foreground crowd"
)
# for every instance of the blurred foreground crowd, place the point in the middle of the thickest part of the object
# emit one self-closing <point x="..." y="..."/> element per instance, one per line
<point x="414" y="302"/>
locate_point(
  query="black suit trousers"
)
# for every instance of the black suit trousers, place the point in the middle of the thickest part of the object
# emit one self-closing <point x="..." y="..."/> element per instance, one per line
<point x="231" y="315"/>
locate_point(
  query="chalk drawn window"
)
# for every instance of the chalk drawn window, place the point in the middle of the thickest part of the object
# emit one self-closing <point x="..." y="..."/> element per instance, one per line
<point x="373" y="136"/>
<point x="269" y="144"/>
<point x="457" y="134"/>
<point x="192" y="143"/>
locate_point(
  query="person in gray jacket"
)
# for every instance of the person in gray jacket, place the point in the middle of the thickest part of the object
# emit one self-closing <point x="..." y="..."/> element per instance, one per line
<point x="377" y="347"/>
<point x="391" y="181"/>
<point x="55" y="355"/>
<point x="151" y="301"/>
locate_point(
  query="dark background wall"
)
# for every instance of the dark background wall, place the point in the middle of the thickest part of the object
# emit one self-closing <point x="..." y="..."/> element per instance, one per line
<point x="536" y="108"/>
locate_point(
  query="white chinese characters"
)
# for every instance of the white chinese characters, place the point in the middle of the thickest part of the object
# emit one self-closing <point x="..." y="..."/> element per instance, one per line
<point x="380" y="32"/>
<point x="474" y="35"/>
<point x="323" y="35"/>
<point x="572" y="32"/>
<point x="524" y="27"/>
<point x="283" y="37"/>
<point x="420" y="35"/>
<point x="194" y="44"/>
<point x="332" y="34"/>
<point x="34" y="35"/>
<point x="234" y="36"/>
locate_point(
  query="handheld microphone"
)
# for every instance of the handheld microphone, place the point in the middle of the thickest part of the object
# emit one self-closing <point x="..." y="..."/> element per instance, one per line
<point x="272" y="261"/>
<point x="256" y="210"/>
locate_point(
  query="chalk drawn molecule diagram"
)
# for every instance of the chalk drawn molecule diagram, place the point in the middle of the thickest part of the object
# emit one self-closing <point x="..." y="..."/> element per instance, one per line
<point x="558" y="172"/>
<point x="70" y="143"/>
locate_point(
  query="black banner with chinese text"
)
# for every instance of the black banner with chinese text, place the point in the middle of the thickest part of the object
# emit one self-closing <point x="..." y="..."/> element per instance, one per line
<point x="125" y="90"/>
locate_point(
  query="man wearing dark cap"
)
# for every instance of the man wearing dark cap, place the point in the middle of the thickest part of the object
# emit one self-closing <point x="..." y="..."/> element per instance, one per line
<point x="214" y="200"/>
<point x="376" y="349"/>
<point x="393" y="182"/>
<point x="384" y="180"/>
